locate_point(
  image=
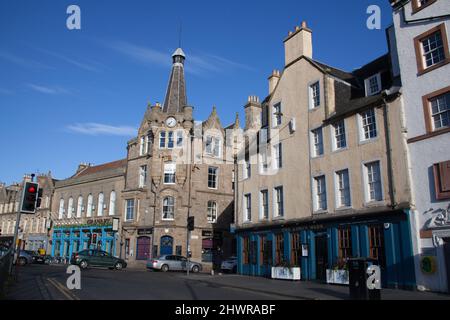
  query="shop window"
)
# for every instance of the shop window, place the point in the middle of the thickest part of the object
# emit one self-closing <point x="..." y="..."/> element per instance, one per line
<point x="296" y="248"/>
<point x="279" y="249"/>
<point x="345" y="243"/>
<point x="127" y="248"/>
<point x="442" y="180"/>
<point x="253" y="251"/>
<point x="376" y="244"/>
<point x="246" y="250"/>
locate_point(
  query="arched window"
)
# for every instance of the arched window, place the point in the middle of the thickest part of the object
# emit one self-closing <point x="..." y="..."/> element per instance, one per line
<point x="79" y="206"/>
<point x="61" y="209"/>
<point x="168" y="208"/>
<point x="112" y="203"/>
<point x="101" y="200"/>
<point x="89" y="205"/>
<point x="212" y="211"/>
<point x="70" y="208"/>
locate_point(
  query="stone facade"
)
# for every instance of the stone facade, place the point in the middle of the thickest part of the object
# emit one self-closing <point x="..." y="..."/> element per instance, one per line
<point x="33" y="229"/>
<point x="426" y="92"/>
<point x="334" y="184"/>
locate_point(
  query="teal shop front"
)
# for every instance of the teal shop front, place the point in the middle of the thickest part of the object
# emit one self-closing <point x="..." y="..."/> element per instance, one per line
<point x="320" y="245"/>
<point x="68" y="240"/>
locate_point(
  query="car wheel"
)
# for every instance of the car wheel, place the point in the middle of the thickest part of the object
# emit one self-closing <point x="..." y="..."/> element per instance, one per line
<point x="83" y="264"/>
<point x="195" y="269"/>
<point x="164" y="268"/>
<point x="22" y="261"/>
<point x="118" y="266"/>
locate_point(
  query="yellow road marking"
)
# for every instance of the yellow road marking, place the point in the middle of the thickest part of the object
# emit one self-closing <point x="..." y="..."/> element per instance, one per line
<point x="62" y="289"/>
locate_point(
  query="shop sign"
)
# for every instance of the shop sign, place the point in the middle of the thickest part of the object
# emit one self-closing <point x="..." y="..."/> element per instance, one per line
<point x="142" y="232"/>
<point x="99" y="222"/>
<point x="207" y="233"/>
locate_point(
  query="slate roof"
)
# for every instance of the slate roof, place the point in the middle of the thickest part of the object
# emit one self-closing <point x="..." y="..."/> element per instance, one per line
<point x="176" y="90"/>
<point x="102" y="167"/>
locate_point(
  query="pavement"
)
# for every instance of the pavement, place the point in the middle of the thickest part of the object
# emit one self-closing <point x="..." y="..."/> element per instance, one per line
<point x="41" y="282"/>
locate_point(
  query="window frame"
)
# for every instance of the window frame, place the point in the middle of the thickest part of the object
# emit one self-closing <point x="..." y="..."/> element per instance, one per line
<point x="312" y="105"/>
<point x="334" y="135"/>
<point x="168" y="206"/>
<point x="127" y="207"/>
<point x="278" y="204"/>
<point x="277" y="120"/>
<point x="339" y="205"/>
<point x="277" y="156"/>
<point x="313" y="142"/>
<point x="416" y="7"/>
<point x="247" y="207"/>
<point x="439" y="193"/>
<point x="367" y="191"/>
<point x="361" y="126"/>
<point x="216" y="175"/>
<point x="317" y="199"/>
<point x="213" y="218"/>
<point x="367" y="85"/>
<point x="428" y="114"/>
<point x="421" y="67"/>
<point x="263" y="207"/>
<point x="167" y="170"/>
<point x="143" y="176"/>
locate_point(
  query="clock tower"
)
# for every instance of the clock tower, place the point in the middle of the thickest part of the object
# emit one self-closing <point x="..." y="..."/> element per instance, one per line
<point x="165" y="183"/>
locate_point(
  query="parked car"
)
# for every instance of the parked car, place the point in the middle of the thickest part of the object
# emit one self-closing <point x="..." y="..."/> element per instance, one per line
<point x="41" y="259"/>
<point x="97" y="258"/>
<point x="173" y="263"/>
<point x="229" y="265"/>
<point x="24" y="258"/>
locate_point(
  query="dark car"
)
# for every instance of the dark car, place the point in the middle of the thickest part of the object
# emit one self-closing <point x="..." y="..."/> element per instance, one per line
<point x="97" y="258"/>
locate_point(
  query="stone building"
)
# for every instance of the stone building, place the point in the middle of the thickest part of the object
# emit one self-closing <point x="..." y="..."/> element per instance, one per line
<point x="176" y="168"/>
<point x="421" y="31"/>
<point x="33" y="228"/>
<point x="329" y="180"/>
<point x="84" y="207"/>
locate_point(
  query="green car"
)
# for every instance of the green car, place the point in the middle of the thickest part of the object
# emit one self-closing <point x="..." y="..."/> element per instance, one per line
<point x="97" y="258"/>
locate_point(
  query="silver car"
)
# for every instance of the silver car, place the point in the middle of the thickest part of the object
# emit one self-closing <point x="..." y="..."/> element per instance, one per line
<point x="229" y="265"/>
<point x="173" y="263"/>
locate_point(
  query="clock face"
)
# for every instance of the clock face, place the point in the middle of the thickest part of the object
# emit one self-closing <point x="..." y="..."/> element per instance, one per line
<point x="171" y="122"/>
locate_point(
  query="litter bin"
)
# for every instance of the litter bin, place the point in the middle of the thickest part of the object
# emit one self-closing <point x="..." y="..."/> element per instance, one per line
<point x="358" y="276"/>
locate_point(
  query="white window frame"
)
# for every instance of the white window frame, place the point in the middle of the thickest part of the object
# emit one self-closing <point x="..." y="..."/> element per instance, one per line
<point x="367" y="197"/>
<point x="126" y="209"/>
<point x="100" y="204"/>
<point x="316" y="196"/>
<point x="311" y="91"/>
<point x="112" y="203"/>
<point x="70" y="208"/>
<point x="170" y="170"/>
<point x="277" y="211"/>
<point x="423" y="53"/>
<point x="362" y="133"/>
<point x="334" y="127"/>
<point x="213" y="146"/>
<point x="277" y="156"/>
<point x="212" y="211"/>
<point x="262" y="206"/>
<point x="142" y="146"/>
<point x="247" y="207"/>
<point x="440" y="113"/>
<point x="338" y="195"/>
<point x="173" y="207"/>
<point x="313" y="142"/>
<point x="90" y="205"/>
<point x="275" y="117"/>
<point x="143" y="175"/>
<point x="368" y="86"/>
<point x="61" y="209"/>
<point x="162" y="138"/>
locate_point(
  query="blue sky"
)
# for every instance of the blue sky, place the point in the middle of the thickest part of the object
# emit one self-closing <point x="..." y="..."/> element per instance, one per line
<point x="71" y="96"/>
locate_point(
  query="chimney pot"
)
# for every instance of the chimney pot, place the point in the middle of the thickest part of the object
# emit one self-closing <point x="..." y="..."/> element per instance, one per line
<point x="304" y="24"/>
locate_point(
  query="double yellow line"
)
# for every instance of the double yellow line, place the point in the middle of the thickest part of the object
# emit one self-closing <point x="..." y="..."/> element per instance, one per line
<point x="62" y="289"/>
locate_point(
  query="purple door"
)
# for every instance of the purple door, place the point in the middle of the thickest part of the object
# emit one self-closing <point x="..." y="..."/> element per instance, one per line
<point x="143" y="248"/>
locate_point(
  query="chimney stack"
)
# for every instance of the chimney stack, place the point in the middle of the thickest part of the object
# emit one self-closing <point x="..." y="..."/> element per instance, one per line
<point x="298" y="43"/>
<point x="273" y="80"/>
<point x="253" y="113"/>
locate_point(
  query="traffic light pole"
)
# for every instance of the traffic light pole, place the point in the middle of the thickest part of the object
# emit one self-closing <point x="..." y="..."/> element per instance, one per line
<point x="15" y="244"/>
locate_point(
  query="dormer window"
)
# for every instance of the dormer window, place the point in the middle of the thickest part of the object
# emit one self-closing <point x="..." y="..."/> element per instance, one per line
<point x="373" y="85"/>
<point x="213" y="146"/>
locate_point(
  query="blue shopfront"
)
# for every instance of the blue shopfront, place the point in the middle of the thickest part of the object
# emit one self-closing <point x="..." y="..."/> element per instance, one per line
<point x="68" y="240"/>
<point x="323" y="244"/>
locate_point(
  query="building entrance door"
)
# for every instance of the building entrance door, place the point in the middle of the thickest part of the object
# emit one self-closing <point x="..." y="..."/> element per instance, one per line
<point x="447" y="260"/>
<point x="321" y="256"/>
<point x="166" y="245"/>
<point x="143" y="248"/>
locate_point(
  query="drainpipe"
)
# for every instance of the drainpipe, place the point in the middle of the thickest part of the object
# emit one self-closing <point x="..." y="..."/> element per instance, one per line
<point x="390" y="172"/>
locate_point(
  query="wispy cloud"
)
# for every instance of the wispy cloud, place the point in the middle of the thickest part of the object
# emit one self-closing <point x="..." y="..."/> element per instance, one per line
<point x="48" y="89"/>
<point x="89" y="66"/>
<point x="96" y="129"/>
<point x="25" y="63"/>
<point x="197" y="64"/>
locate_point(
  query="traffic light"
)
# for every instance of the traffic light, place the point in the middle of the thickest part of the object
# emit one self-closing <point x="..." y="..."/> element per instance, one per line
<point x="39" y="198"/>
<point x="190" y="223"/>
<point x="29" y="198"/>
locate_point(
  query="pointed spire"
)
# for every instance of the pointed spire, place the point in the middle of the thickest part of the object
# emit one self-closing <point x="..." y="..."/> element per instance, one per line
<point x="176" y="89"/>
<point x="236" y="121"/>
